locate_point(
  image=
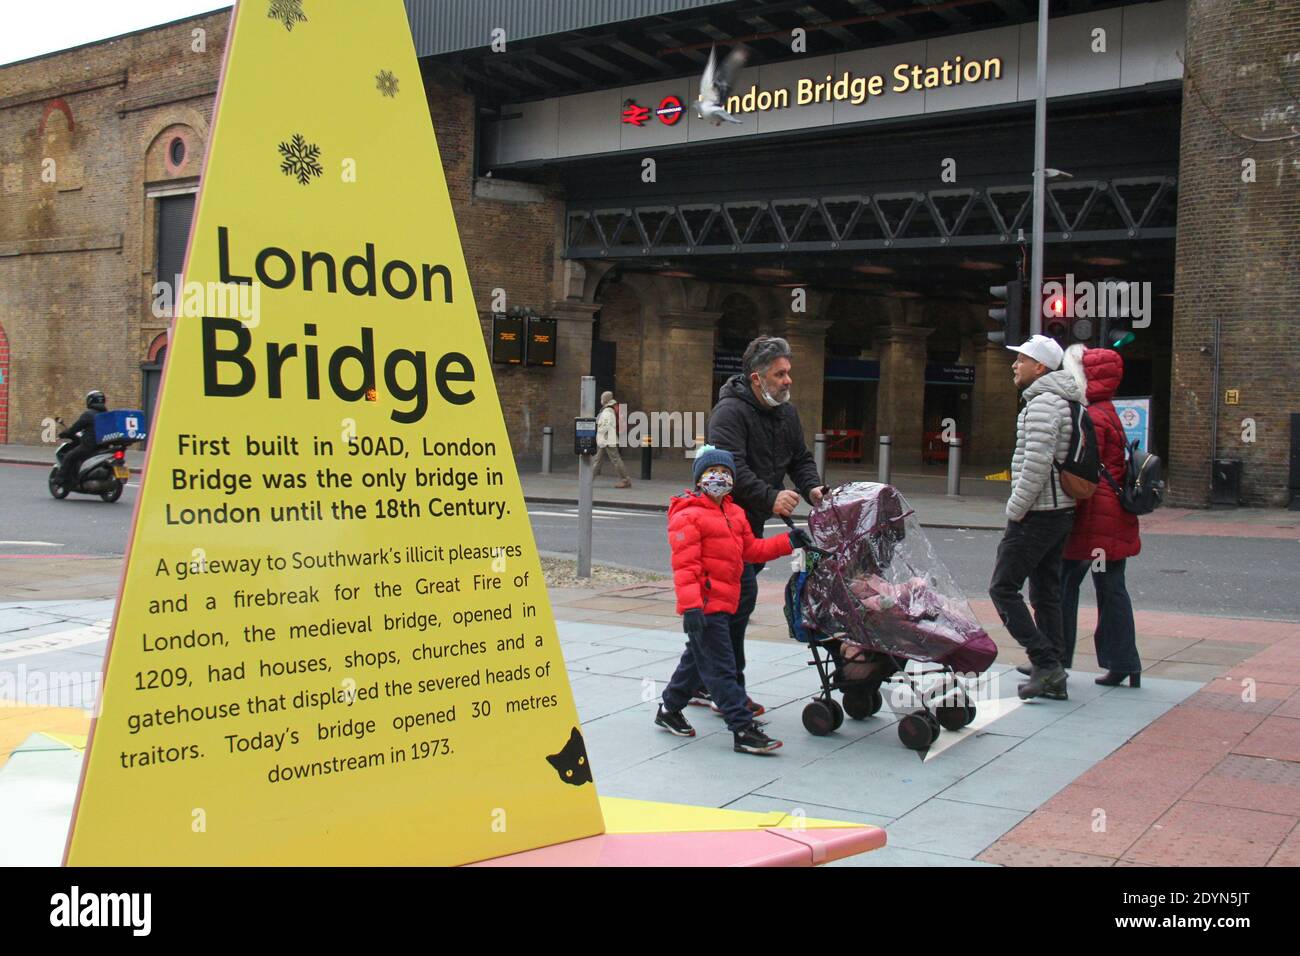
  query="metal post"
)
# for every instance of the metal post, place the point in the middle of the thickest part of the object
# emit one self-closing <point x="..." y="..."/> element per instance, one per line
<point x="645" y="458"/>
<point x="547" y="438"/>
<point x="819" y="456"/>
<point x="1040" y="182"/>
<point x="954" y="467"/>
<point x="1214" y="405"/>
<point x="587" y="408"/>
<point x="882" y="460"/>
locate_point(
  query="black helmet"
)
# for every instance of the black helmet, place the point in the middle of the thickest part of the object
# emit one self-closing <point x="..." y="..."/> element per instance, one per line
<point x="95" y="399"/>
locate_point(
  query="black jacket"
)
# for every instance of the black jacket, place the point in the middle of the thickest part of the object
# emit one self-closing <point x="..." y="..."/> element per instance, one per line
<point x="767" y="444"/>
<point x="83" y="428"/>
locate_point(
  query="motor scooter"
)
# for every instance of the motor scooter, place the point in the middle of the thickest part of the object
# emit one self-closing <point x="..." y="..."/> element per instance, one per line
<point x="104" y="473"/>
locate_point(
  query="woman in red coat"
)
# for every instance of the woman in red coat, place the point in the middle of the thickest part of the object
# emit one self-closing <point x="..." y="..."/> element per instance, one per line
<point x="1103" y="530"/>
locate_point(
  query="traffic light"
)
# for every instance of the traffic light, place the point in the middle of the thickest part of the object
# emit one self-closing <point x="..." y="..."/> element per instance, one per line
<point x="1055" y="312"/>
<point x="1008" y="312"/>
<point x="1116" y="332"/>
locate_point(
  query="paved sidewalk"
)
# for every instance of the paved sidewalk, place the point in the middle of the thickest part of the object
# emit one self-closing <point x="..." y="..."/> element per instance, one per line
<point x="1186" y="770"/>
<point x="979" y="506"/>
<point x="1183" y="770"/>
<point x="44" y="455"/>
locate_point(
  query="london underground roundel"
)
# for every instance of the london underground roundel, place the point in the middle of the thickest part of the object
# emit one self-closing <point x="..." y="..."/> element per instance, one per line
<point x="670" y="110"/>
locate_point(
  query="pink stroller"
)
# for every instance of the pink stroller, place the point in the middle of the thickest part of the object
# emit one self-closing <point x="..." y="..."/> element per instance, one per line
<point x="869" y="598"/>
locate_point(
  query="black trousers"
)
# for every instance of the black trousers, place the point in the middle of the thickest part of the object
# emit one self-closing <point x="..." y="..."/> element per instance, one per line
<point x="740" y="620"/>
<point x="1115" y="637"/>
<point x="1031" y="549"/>
<point x="72" y="464"/>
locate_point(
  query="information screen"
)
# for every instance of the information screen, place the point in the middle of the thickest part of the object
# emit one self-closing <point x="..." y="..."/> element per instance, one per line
<point x="507" y="340"/>
<point x="541" y="341"/>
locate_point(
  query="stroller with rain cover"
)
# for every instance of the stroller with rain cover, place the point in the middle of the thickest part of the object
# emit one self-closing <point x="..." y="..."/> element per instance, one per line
<point x="872" y="596"/>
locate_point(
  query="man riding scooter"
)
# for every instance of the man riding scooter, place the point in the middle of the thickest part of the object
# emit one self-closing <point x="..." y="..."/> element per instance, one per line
<point x="82" y="430"/>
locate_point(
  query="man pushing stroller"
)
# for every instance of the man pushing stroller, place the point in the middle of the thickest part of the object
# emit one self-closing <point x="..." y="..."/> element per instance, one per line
<point x="711" y="542"/>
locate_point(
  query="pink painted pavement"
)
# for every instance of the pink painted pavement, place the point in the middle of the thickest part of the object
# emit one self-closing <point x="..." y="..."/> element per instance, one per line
<point x="1215" y="781"/>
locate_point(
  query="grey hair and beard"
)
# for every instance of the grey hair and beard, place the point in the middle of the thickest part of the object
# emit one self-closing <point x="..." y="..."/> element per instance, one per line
<point x="759" y="356"/>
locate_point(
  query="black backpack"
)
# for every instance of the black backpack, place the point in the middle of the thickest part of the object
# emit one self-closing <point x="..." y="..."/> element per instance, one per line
<point x="1081" y="469"/>
<point x="1144" y="481"/>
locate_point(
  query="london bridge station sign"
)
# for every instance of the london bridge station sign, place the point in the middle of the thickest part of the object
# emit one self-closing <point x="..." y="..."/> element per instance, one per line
<point x="1091" y="53"/>
<point x="856" y="89"/>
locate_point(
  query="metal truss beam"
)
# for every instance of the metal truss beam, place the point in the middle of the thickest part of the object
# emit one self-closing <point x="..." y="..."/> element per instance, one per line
<point x="1116" y="210"/>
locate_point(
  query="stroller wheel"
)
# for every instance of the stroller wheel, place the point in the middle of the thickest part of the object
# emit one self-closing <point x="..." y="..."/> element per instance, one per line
<point x="857" y="704"/>
<point x="915" y="732"/>
<point x="837" y="712"/>
<point x="818" y="718"/>
<point x="956" y="713"/>
<point x="861" y="704"/>
<point x="933" y="721"/>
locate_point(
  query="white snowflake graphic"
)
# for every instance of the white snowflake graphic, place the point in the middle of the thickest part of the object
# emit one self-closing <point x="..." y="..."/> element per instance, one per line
<point x="386" y="83"/>
<point x="300" y="159"/>
<point x="287" y="12"/>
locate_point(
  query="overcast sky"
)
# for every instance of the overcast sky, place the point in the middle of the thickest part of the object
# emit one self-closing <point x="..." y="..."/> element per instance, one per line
<point x="31" y="27"/>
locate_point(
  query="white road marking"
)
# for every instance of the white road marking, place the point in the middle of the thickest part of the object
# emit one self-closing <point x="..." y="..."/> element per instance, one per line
<point x="986" y="712"/>
<point x="568" y="514"/>
<point x="36" y="544"/>
<point x="50" y="643"/>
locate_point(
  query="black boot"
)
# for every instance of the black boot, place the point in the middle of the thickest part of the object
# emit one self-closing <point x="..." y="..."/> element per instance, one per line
<point x="1042" y="679"/>
<point x="1024" y="669"/>
<point x="1115" y="678"/>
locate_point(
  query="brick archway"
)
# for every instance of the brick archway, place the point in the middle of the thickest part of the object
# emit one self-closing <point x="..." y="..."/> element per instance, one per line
<point x="4" y="385"/>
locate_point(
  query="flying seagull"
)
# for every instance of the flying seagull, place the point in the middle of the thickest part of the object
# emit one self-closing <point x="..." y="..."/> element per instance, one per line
<point x="715" y="86"/>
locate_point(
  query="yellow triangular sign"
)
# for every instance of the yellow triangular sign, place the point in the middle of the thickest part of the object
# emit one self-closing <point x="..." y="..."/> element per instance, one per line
<point x="333" y="643"/>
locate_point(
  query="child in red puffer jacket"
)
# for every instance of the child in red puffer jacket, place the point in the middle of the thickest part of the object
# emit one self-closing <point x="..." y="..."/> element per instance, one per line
<point x="711" y="542"/>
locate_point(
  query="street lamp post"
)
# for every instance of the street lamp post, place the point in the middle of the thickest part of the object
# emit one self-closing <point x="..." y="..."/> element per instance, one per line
<point x="1040" y="186"/>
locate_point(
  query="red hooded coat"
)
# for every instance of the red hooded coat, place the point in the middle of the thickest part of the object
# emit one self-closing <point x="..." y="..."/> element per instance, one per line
<point x="711" y="543"/>
<point x="1101" y="521"/>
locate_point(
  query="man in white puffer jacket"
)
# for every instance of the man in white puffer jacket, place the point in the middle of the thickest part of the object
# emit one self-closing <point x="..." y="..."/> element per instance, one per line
<point x="1040" y="515"/>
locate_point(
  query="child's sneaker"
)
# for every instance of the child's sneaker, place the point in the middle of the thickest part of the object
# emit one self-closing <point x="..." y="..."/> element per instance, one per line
<point x="673" y="722"/>
<point x="752" y="740"/>
<point x="750" y="705"/>
<point x="701" y="698"/>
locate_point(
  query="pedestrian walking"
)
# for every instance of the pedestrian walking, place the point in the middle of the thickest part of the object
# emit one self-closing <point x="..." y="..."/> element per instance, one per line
<point x="607" y="440"/>
<point x="1104" y="533"/>
<point x="711" y="543"/>
<point x="755" y="421"/>
<point x="1039" y="515"/>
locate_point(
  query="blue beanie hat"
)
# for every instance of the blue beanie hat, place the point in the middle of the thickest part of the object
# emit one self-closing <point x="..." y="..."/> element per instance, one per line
<point x="707" y="456"/>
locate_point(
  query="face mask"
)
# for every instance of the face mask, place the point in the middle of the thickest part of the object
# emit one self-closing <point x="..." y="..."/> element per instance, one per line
<point x="771" y="402"/>
<point x="716" y="485"/>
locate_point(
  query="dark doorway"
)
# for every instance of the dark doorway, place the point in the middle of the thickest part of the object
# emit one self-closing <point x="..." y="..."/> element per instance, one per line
<point x="150" y="384"/>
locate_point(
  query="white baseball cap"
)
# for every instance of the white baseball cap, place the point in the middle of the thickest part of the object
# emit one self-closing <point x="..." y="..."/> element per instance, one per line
<point x="1041" y="348"/>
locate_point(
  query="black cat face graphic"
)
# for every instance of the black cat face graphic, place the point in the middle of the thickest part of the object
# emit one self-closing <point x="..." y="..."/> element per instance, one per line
<point x="571" y="762"/>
